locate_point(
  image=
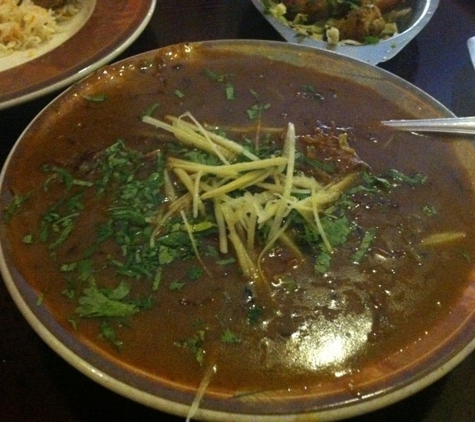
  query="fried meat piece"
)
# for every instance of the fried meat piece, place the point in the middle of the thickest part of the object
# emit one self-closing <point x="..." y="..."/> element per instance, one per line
<point x="326" y="9"/>
<point x="315" y="9"/>
<point x="49" y="4"/>
<point x="333" y="152"/>
<point x="361" y="23"/>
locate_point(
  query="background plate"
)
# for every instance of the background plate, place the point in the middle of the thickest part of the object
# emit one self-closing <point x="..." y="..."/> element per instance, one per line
<point x="111" y="28"/>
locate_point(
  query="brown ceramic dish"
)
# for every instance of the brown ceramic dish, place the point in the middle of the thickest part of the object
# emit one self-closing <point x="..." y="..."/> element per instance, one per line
<point x="100" y="38"/>
<point x="358" y="364"/>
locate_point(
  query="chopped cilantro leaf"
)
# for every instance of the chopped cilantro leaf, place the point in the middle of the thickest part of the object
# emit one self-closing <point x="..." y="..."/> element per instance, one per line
<point x="14" y="207"/>
<point x="179" y="94"/>
<point x="373" y="183"/>
<point x="108" y="332"/>
<point x="195" y="345"/>
<point x="311" y="92"/>
<point x="150" y="109"/>
<point x="212" y="252"/>
<point x="65" y="177"/>
<point x="254" y="314"/>
<point x="201" y="157"/>
<point x="399" y="177"/>
<point x="322" y="262"/>
<point x="230" y="94"/>
<point x="371" y="40"/>
<point x="226" y="261"/>
<point x="326" y="166"/>
<point x="255" y="111"/>
<point x="28" y="239"/>
<point x="365" y="245"/>
<point x="39" y="300"/>
<point x="96" y="98"/>
<point x="95" y="303"/>
<point x="157" y="279"/>
<point x="429" y="210"/>
<point x="337" y="229"/>
<point x="166" y="255"/>
<point x="194" y="273"/>
<point x="229" y="337"/>
<point x="214" y="76"/>
<point x="176" y="285"/>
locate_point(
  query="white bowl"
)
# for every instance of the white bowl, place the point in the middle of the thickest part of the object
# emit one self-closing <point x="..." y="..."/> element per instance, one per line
<point x="422" y="12"/>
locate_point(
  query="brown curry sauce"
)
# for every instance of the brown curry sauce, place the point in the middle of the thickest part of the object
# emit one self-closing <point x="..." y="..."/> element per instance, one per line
<point x="325" y="327"/>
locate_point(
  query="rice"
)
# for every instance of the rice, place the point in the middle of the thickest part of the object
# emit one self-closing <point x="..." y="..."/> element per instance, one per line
<point x="24" y="25"/>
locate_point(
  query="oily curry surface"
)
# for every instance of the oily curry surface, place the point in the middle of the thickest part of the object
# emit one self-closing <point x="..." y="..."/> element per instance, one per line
<point x="89" y="228"/>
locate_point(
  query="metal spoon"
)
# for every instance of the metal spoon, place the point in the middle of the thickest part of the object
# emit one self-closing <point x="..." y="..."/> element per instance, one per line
<point x="471" y="49"/>
<point x="461" y="125"/>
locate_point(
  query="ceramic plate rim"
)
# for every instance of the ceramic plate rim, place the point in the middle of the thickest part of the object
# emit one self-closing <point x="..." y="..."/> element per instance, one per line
<point x="80" y="67"/>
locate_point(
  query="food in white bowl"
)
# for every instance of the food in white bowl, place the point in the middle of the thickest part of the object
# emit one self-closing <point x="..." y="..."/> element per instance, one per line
<point x="355" y="23"/>
<point x="373" y="31"/>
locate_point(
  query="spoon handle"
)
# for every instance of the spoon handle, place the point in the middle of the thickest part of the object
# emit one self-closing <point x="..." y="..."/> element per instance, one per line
<point x="462" y="125"/>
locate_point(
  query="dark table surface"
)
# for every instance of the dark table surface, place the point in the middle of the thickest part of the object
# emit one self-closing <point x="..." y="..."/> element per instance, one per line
<point x="37" y="385"/>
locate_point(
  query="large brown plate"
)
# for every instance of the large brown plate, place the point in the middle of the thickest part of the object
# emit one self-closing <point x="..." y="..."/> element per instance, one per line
<point x="112" y="26"/>
<point x="400" y="374"/>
